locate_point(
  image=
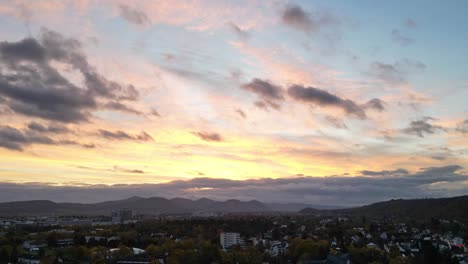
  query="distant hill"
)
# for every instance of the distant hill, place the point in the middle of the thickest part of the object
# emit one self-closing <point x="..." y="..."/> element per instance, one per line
<point x="448" y="208"/>
<point x="295" y="207"/>
<point x="139" y="205"/>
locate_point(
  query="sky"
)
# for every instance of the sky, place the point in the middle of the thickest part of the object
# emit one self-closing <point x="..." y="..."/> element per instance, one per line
<point x="331" y="102"/>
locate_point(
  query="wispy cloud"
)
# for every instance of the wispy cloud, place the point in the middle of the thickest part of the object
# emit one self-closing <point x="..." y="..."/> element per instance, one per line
<point x="209" y="136"/>
<point x="121" y="135"/>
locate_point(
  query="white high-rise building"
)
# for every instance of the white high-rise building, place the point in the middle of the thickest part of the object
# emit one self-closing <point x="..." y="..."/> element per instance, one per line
<point x="229" y="239"/>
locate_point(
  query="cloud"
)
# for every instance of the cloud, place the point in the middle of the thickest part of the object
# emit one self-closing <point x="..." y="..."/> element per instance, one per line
<point x="321" y="97"/>
<point x="264" y="89"/>
<point x="30" y="85"/>
<point x="155" y="112"/>
<point x="121" y="107"/>
<point x="243" y="34"/>
<point x="385" y="172"/>
<point x="121" y="135"/>
<point x="131" y="171"/>
<point x="400" y="39"/>
<point x="241" y="113"/>
<point x="89" y="146"/>
<point x="133" y="15"/>
<point x="375" y="104"/>
<point x="397" y="72"/>
<point x="52" y="128"/>
<point x="24" y="50"/>
<point x="421" y="127"/>
<point x="268" y="93"/>
<point x="332" y="190"/>
<point x="336" y="122"/>
<point x="16" y="139"/>
<point x="267" y="104"/>
<point x="296" y="17"/>
<point x="113" y="169"/>
<point x="462" y="127"/>
<point x="410" y="23"/>
<point x="440" y="171"/>
<point x="208" y="136"/>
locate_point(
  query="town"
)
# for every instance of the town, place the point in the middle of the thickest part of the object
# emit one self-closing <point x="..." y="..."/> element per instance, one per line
<point x="230" y="238"/>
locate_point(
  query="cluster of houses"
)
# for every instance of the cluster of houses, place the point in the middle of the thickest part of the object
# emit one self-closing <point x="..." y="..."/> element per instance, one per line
<point x="408" y="241"/>
<point x="388" y="237"/>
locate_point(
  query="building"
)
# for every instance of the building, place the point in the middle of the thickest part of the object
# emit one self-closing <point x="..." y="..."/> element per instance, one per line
<point x="29" y="259"/>
<point x="121" y="215"/>
<point x="32" y="245"/>
<point x="66" y="242"/>
<point x="229" y="239"/>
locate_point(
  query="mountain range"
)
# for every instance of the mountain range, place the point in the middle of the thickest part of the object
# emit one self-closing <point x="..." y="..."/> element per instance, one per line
<point x="152" y="205"/>
<point x="448" y="208"/>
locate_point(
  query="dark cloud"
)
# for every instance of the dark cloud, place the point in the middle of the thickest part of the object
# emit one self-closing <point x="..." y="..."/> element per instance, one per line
<point x="268" y="93"/>
<point x="30" y="85"/>
<point x="397" y="72"/>
<point x="462" y="127"/>
<point x="208" y="136"/>
<point x="332" y="190"/>
<point x="52" y="128"/>
<point x="264" y="89"/>
<point x="421" y="127"/>
<point x="440" y="171"/>
<point x="400" y="39"/>
<point x="296" y="17"/>
<point x="121" y="135"/>
<point x="15" y="139"/>
<point x="27" y="49"/>
<point x="385" y="172"/>
<point x="133" y="15"/>
<point x="375" y="104"/>
<point x="321" y="97"/>
<point x="243" y="34"/>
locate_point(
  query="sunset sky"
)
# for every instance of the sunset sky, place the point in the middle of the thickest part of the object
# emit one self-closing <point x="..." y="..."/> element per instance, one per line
<point x="294" y="101"/>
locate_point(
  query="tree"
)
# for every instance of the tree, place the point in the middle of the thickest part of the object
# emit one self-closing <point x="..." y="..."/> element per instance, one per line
<point x="154" y="250"/>
<point x="122" y="252"/>
<point x="399" y="260"/>
<point x="363" y="255"/>
<point x="308" y="249"/>
<point x="52" y="239"/>
<point x="49" y="260"/>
